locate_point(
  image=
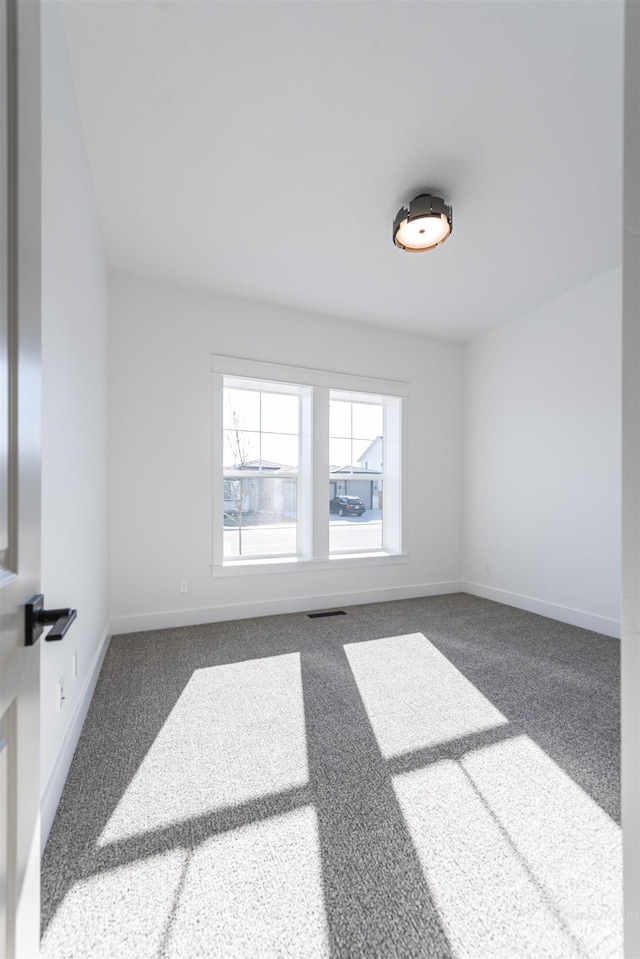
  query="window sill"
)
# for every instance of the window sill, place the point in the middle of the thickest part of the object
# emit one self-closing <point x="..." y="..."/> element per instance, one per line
<point x="340" y="561"/>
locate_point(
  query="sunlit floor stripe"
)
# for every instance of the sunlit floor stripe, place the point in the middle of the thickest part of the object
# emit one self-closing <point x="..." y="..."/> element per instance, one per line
<point x="236" y="733"/>
<point x="571" y="847"/>
<point x="413" y="695"/>
<point x="256" y="891"/>
<point x="135" y="901"/>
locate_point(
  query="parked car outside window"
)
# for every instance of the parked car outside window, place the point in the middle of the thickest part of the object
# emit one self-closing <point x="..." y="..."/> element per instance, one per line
<point x="347" y="506"/>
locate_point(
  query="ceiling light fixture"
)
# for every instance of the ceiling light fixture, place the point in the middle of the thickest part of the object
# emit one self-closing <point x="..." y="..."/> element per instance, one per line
<point x="424" y="224"/>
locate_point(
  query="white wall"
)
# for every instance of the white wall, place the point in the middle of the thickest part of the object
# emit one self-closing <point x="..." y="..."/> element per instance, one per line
<point x="162" y="338"/>
<point x="542" y="458"/>
<point x="75" y="416"/>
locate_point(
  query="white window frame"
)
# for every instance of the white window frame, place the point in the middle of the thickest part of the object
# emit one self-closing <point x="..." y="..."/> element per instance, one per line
<point x="392" y="412"/>
<point x="313" y="471"/>
<point x="303" y="394"/>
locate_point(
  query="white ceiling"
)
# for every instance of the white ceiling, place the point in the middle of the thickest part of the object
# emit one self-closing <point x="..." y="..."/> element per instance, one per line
<point x="263" y="148"/>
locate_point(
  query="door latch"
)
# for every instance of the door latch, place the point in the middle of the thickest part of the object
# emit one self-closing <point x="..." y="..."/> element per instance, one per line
<point x="37" y="617"/>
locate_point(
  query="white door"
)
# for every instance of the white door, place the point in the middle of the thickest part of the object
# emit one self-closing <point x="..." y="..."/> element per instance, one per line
<point x="19" y="474"/>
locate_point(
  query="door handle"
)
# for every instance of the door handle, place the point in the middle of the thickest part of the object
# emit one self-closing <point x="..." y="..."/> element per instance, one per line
<point x="37" y="617"/>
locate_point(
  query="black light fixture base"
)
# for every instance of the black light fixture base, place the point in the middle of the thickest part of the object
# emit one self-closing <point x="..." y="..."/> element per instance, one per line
<point x="425" y="205"/>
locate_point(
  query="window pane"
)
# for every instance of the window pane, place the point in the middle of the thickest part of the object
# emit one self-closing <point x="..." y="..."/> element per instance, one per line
<point x="370" y="455"/>
<point x="241" y="409"/>
<point x="280" y="449"/>
<point x="339" y="418"/>
<point x="260" y="517"/>
<point x="359" y="454"/>
<point x="339" y="453"/>
<point x="355" y="530"/>
<point x="367" y="454"/>
<point x="367" y="419"/>
<point x="240" y="449"/>
<point x="362" y="424"/>
<point x="279" y="413"/>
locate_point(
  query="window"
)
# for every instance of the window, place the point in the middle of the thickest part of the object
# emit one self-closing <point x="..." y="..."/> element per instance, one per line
<point x="261" y="441"/>
<point x="306" y="466"/>
<point x="356" y="437"/>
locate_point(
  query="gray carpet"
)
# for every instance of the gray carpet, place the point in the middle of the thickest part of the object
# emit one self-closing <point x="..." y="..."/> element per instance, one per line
<point x="427" y="778"/>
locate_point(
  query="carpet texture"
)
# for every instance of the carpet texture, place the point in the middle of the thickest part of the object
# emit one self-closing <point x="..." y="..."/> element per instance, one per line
<point x="424" y="778"/>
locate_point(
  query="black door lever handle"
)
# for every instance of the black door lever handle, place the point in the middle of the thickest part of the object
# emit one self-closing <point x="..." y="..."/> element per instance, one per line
<point x="37" y="617"/>
<point x="62" y="619"/>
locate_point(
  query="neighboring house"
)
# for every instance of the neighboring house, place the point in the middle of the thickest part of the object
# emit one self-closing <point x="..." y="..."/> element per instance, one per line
<point x="273" y="494"/>
<point x="277" y="495"/>
<point x="351" y="481"/>
<point x="372" y="456"/>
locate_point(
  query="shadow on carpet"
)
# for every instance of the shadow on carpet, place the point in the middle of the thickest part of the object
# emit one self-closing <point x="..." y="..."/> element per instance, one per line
<point x="432" y="778"/>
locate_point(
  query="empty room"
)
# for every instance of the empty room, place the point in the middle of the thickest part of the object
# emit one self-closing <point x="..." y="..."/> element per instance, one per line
<point x="320" y="479"/>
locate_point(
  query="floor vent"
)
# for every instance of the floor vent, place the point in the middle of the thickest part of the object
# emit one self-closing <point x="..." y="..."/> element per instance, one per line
<point x="333" y="612"/>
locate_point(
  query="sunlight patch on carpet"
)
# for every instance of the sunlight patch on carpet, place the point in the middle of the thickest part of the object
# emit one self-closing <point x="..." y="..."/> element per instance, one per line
<point x="236" y="733"/>
<point x="414" y="696"/>
<point x="519" y="859"/>
<point x="255" y="891"/>
<point x="134" y="903"/>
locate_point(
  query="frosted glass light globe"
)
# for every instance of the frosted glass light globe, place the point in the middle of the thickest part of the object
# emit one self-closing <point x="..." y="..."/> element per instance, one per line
<point x="423" y="232"/>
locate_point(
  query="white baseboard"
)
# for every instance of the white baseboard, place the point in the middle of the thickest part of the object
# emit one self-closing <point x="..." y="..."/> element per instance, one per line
<point x="53" y="790"/>
<point x="575" y="617"/>
<point x="273" y="607"/>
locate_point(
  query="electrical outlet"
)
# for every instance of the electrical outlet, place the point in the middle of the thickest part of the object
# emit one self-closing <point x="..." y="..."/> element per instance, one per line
<point x="487" y="567"/>
<point x="74" y="666"/>
<point x="184" y="585"/>
<point x="60" y="694"/>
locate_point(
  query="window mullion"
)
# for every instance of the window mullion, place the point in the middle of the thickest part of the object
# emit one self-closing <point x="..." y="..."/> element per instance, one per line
<point x="260" y="430"/>
<point x="320" y="472"/>
<point x="305" y="474"/>
<point x="392" y="491"/>
<point x="217" y="474"/>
